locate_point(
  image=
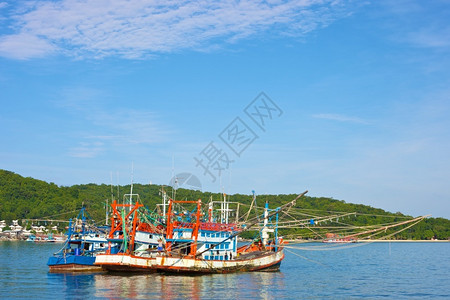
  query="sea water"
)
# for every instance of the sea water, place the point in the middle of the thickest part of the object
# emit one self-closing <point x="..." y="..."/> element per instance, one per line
<point x="377" y="270"/>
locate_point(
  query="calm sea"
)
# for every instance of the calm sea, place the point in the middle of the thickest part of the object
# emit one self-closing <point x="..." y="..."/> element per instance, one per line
<point x="378" y="270"/>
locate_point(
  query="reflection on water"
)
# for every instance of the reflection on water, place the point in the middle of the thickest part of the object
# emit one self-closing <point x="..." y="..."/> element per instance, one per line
<point x="154" y="286"/>
<point x="400" y="270"/>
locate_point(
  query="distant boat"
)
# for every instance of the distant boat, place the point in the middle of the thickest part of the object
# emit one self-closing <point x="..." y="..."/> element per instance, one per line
<point x="84" y="241"/>
<point x="332" y="238"/>
<point x="46" y="238"/>
<point x="339" y="241"/>
<point x="31" y="238"/>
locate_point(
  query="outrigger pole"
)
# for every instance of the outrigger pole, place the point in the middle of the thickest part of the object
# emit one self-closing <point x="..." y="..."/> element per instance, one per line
<point x="281" y="208"/>
<point x="418" y="219"/>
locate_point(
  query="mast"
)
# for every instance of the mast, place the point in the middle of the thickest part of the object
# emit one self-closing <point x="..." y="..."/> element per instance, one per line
<point x="251" y="206"/>
<point x="284" y="207"/>
<point x="210" y="210"/>
<point x="265" y="231"/>
<point x="106" y="212"/>
<point x="118" y="186"/>
<point x="112" y="198"/>
<point x="226" y="206"/>
<point x="164" y="203"/>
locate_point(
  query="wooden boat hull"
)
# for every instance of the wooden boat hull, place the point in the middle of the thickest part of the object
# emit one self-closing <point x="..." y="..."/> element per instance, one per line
<point x="125" y="263"/>
<point x="72" y="263"/>
<point x="267" y="261"/>
<point x="250" y="262"/>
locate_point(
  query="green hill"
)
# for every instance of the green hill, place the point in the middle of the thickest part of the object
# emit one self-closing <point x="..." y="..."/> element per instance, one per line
<point x="28" y="198"/>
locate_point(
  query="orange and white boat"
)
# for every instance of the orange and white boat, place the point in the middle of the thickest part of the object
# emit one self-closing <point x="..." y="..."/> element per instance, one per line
<point x="193" y="243"/>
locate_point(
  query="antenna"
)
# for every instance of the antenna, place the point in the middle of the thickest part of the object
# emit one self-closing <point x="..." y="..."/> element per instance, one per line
<point x="174" y="180"/>
<point x="118" y="186"/>
<point x="131" y="191"/>
<point x="174" y="188"/>
<point x="164" y="200"/>
<point x="220" y="183"/>
<point x="229" y="179"/>
<point x="112" y="200"/>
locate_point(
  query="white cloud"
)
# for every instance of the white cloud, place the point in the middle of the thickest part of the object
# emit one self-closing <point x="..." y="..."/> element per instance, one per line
<point x="87" y="150"/>
<point x="431" y="37"/>
<point x="419" y="23"/>
<point x="129" y="126"/>
<point x="140" y="28"/>
<point x="340" y="118"/>
<point x="107" y="129"/>
<point x="24" y="46"/>
<point x="117" y="131"/>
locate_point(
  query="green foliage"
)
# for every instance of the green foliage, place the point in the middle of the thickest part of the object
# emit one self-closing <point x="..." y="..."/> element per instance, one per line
<point x="28" y="198"/>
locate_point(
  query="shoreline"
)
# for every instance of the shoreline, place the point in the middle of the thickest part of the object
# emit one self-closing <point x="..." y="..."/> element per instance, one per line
<point x="404" y="241"/>
<point x="376" y="241"/>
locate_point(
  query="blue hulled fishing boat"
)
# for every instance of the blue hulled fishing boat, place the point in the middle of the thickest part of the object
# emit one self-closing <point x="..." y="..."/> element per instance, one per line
<point x="84" y="241"/>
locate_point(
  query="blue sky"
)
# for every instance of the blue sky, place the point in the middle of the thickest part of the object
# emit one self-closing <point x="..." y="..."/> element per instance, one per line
<point x="88" y="88"/>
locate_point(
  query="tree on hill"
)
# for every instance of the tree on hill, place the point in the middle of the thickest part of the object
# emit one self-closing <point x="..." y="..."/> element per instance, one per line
<point x="28" y="198"/>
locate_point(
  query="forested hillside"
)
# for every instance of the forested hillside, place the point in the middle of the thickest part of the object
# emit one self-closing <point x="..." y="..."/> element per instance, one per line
<point x="28" y="198"/>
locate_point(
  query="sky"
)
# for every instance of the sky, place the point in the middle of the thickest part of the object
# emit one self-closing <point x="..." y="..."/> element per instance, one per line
<point x="345" y="99"/>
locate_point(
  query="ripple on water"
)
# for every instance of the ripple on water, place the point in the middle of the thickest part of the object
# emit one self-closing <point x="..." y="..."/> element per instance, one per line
<point x="407" y="270"/>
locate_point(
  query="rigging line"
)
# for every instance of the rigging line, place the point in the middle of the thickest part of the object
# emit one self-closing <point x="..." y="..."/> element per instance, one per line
<point x="305" y="223"/>
<point x="61" y="214"/>
<point x="356" y="214"/>
<point x="325" y="218"/>
<point x="46" y="220"/>
<point x="384" y="216"/>
<point x="63" y="247"/>
<point x="375" y="226"/>
<point x="281" y="208"/>
<point x="401" y="230"/>
<point x="390" y="226"/>
<point x="360" y="214"/>
<point x="364" y="238"/>
<point x="317" y="234"/>
<point x="308" y="216"/>
<point x="313" y="261"/>
<point x="372" y="235"/>
<point x="289" y="215"/>
<point x="381" y="231"/>
<point x="332" y="247"/>
<point x="298" y="242"/>
<point x="333" y="229"/>
<point x="181" y="246"/>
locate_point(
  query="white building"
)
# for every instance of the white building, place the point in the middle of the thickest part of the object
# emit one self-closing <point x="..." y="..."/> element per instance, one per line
<point x="15" y="227"/>
<point x="2" y="225"/>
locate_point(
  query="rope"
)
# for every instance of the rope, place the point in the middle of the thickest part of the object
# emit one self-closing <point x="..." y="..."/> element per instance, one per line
<point x="313" y="261"/>
<point x="329" y="247"/>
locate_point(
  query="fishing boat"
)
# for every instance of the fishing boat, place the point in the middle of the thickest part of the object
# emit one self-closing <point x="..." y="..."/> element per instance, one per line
<point x="135" y="236"/>
<point x="194" y="243"/>
<point x="332" y="238"/>
<point x="84" y="241"/>
<point x="50" y="238"/>
<point x="31" y="238"/>
<point x="135" y="232"/>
